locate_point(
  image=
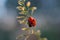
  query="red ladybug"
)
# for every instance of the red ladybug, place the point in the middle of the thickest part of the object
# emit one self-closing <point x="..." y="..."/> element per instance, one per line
<point x="31" y="22"/>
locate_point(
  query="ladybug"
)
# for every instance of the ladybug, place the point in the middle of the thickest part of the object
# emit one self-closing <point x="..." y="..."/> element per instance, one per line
<point x="31" y="22"/>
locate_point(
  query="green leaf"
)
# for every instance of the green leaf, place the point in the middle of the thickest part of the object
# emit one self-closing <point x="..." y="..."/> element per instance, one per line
<point x="25" y="29"/>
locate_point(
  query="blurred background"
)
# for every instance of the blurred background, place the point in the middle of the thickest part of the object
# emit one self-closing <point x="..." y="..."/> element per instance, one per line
<point x="47" y="15"/>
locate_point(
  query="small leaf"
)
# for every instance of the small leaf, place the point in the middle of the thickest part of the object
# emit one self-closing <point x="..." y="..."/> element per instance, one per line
<point x="21" y="8"/>
<point x="28" y="4"/>
<point x="38" y="33"/>
<point x="23" y="12"/>
<point x="20" y="17"/>
<point x="25" y="29"/>
<point x="33" y="8"/>
<point x="22" y="21"/>
<point x="32" y="31"/>
<point x="20" y="2"/>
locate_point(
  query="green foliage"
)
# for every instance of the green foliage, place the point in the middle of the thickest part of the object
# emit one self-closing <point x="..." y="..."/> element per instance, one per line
<point x="25" y="9"/>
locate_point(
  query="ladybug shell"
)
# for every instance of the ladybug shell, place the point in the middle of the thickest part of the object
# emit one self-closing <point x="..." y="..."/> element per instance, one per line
<point x="31" y="22"/>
